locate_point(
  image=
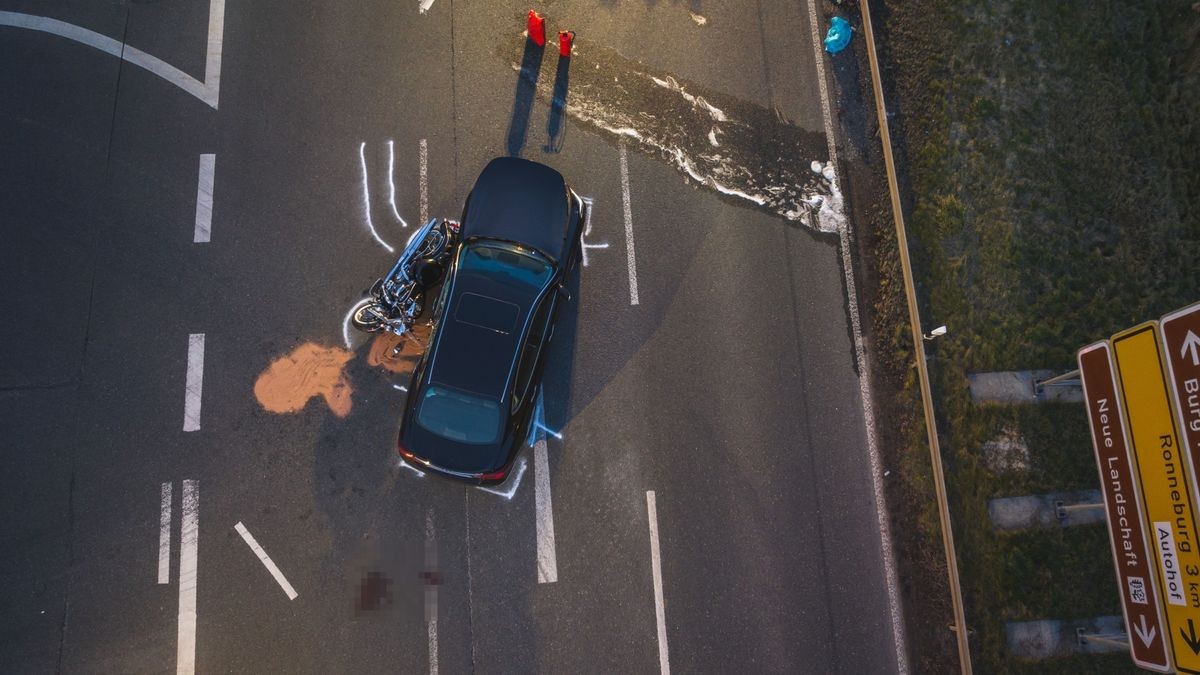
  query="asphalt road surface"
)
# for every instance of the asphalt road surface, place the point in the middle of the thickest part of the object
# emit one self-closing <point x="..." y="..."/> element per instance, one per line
<point x="193" y="196"/>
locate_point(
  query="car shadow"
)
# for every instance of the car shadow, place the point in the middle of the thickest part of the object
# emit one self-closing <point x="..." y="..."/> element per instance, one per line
<point x="558" y="371"/>
<point x="524" y="96"/>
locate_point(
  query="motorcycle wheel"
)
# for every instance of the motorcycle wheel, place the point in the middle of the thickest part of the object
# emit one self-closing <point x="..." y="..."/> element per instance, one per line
<point x="364" y="320"/>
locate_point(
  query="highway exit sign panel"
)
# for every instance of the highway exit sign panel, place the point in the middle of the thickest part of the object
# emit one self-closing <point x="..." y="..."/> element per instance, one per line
<point x="1162" y="470"/>
<point x="1122" y="504"/>
<point x="1181" y="346"/>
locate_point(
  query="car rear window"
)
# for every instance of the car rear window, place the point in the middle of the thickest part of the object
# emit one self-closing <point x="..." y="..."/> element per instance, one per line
<point x="506" y="262"/>
<point x="459" y="416"/>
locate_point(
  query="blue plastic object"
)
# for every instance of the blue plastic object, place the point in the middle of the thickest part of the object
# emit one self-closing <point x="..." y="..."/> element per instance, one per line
<point x="838" y="36"/>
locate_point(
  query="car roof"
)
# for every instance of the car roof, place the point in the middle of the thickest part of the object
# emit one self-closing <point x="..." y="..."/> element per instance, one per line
<point x="481" y="332"/>
<point x="520" y="201"/>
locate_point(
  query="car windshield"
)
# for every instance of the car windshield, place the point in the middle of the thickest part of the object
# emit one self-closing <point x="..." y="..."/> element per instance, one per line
<point x="459" y="416"/>
<point x="503" y="261"/>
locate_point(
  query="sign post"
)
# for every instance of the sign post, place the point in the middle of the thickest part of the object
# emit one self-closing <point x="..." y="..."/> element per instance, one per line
<point x="1131" y="558"/>
<point x="1162" y="468"/>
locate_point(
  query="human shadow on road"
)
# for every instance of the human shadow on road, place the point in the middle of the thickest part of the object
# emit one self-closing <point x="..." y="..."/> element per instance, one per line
<point x="555" y="129"/>
<point x="531" y="66"/>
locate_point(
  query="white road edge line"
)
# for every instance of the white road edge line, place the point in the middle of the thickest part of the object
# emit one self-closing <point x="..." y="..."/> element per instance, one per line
<point x="392" y="183"/>
<point x="633" y="289"/>
<point x="164" y="535"/>
<point x="194" y="382"/>
<point x="207" y="91"/>
<point x="204" y="199"/>
<point x="431" y="591"/>
<point x="362" y="158"/>
<point x="864" y="373"/>
<point x="547" y="557"/>
<point x="189" y="544"/>
<point x="266" y="560"/>
<point x="424" y="153"/>
<point x="664" y="664"/>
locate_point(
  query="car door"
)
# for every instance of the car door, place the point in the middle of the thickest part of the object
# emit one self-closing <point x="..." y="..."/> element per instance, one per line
<point x="531" y="349"/>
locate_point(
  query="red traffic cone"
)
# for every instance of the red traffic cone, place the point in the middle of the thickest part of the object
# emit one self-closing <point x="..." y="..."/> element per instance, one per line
<point x="565" y="39"/>
<point x="536" y="27"/>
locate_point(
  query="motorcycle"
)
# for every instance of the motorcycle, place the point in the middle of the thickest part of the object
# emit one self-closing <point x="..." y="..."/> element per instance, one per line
<point x="397" y="299"/>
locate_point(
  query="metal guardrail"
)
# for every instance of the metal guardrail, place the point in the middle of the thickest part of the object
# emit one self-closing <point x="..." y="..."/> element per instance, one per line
<point x="960" y="623"/>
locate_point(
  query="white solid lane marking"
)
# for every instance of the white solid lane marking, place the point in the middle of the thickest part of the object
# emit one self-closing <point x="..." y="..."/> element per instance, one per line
<point x="656" y="569"/>
<point x="266" y="560"/>
<point x="164" y="535"/>
<point x="424" y="152"/>
<point x="189" y="544"/>
<point x="207" y="91"/>
<point x="362" y="158"/>
<point x="633" y="289"/>
<point x="195" y="382"/>
<point x="891" y="578"/>
<point x="431" y="591"/>
<point x="204" y="199"/>
<point x="392" y="183"/>
<point x="543" y="505"/>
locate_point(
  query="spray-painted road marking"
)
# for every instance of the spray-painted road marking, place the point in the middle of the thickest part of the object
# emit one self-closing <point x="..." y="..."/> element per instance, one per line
<point x="392" y="183"/>
<point x="204" y="199"/>
<point x="544" y="506"/>
<point x="189" y="545"/>
<point x="664" y="664"/>
<point x="633" y="289"/>
<point x="860" y="358"/>
<point x="207" y="91"/>
<point x="410" y="467"/>
<point x="424" y="153"/>
<point x="362" y="158"/>
<point x="266" y="561"/>
<point x="400" y="387"/>
<point x="195" y="382"/>
<point x="431" y="591"/>
<point x="516" y="482"/>
<point x="587" y="230"/>
<point x="164" y="535"/>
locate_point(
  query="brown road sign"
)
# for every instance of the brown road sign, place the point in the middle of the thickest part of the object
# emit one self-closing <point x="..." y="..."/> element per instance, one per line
<point x="1135" y="576"/>
<point x="1162" y="475"/>
<point x="1181" y="344"/>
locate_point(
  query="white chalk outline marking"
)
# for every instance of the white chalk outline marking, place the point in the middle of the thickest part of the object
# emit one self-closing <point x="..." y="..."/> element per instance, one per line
<point x="516" y="482"/>
<point x="660" y="617"/>
<point x="194" y="382"/>
<point x="164" y="535"/>
<point x="587" y="230"/>
<point x="362" y="158"/>
<point x="547" y="557"/>
<point x="266" y="560"/>
<point x="891" y="579"/>
<point x="424" y="154"/>
<point x="189" y="552"/>
<point x="633" y="288"/>
<point x="204" y="198"/>
<point x="207" y="91"/>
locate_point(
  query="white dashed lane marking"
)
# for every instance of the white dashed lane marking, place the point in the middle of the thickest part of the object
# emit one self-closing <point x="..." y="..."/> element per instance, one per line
<point x="164" y="535"/>
<point x="204" y="199"/>
<point x="195" y="382"/>
<point x="189" y="552"/>
<point x="660" y="617"/>
<point x="629" y="254"/>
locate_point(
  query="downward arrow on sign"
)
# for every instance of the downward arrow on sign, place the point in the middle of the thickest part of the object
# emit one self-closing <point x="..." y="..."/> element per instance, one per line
<point x="1190" y="637"/>
<point x="1145" y="633"/>
<point x="1190" y="343"/>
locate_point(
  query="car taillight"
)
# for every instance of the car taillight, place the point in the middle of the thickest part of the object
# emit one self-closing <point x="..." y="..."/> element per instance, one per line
<point x="405" y="453"/>
<point x="495" y="475"/>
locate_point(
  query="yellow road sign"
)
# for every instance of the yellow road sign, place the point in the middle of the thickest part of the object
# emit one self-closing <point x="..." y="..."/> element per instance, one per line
<point x="1162" y="473"/>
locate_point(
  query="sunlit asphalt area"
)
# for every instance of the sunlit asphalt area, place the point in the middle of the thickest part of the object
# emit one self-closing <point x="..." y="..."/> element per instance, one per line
<point x="198" y="469"/>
